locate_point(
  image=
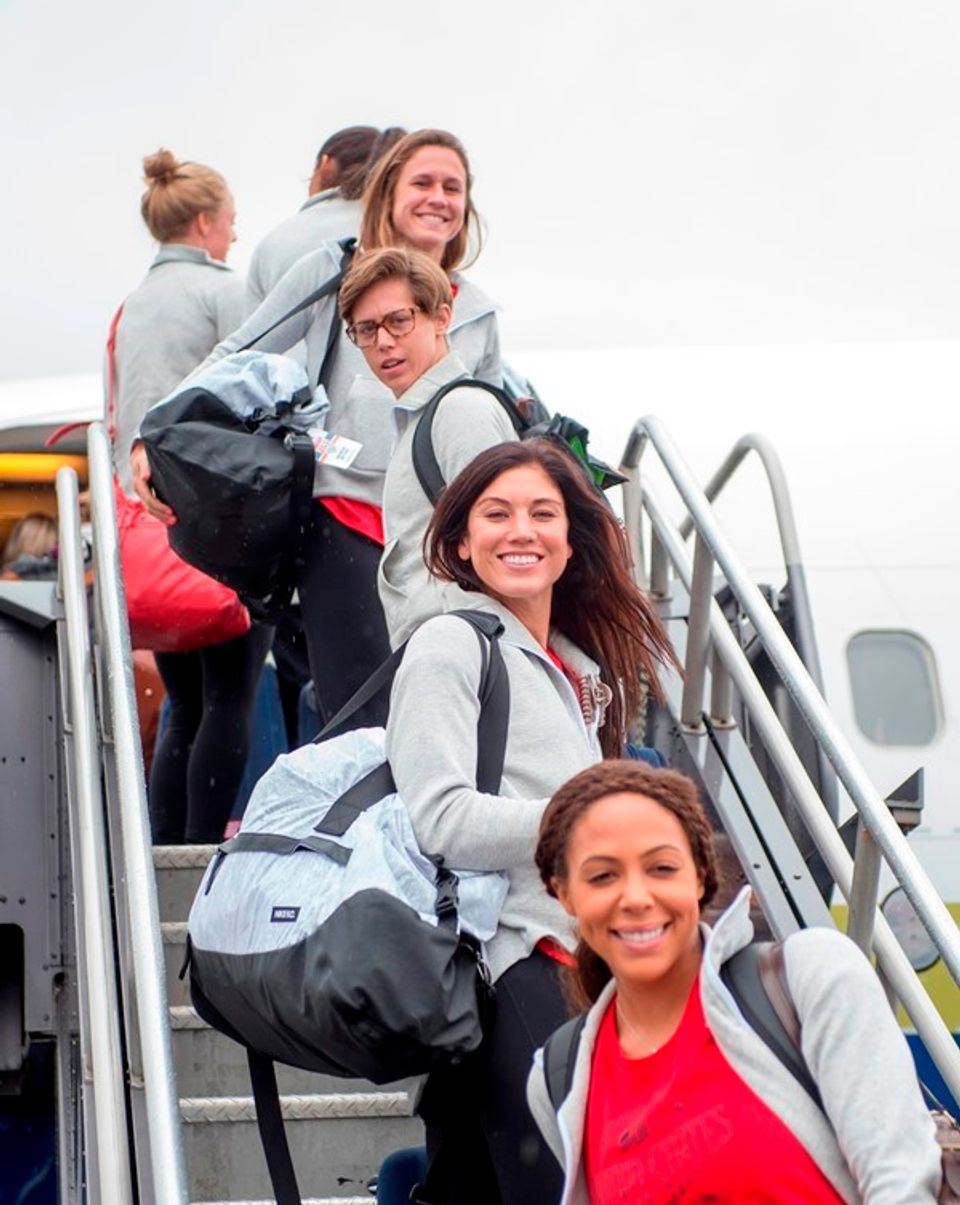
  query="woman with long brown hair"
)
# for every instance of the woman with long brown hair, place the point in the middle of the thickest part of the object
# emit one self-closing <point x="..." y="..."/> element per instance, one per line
<point x="525" y="535"/>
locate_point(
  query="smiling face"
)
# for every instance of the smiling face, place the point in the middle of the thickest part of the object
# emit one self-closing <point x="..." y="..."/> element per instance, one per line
<point x="634" y="889"/>
<point x="516" y="540"/>
<point x="399" y="360"/>
<point x="429" y="200"/>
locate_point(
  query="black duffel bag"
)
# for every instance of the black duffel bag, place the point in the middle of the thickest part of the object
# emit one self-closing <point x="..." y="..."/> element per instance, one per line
<point x="242" y="503"/>
<point x="235" y="465"/>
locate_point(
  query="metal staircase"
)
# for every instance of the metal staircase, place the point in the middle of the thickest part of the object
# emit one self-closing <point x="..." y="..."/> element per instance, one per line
<point x="154" y="1106"/>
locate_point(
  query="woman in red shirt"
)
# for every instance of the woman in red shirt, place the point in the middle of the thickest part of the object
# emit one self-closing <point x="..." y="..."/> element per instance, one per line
<point x="674" y="1097"/>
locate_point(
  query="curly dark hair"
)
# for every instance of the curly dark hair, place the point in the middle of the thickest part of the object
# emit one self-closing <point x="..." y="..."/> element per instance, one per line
<point x="673" y="791"/>
<point x="596" y="602"/>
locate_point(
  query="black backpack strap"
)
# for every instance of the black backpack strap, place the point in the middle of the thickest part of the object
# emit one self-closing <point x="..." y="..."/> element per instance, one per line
<point x="425" y="458"/>
<point x="347" y="246"/>
<point x="266" y="1096"/>
<point x="560" y="1059"/>
<point x="381" y="679"/>
<point x="757" y="980"/>
<point x="494" y="694"/>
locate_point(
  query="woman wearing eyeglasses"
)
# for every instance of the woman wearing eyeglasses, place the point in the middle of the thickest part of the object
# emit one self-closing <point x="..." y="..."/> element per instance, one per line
<point x="398" y="306"/>
<point x="417" y="196"/>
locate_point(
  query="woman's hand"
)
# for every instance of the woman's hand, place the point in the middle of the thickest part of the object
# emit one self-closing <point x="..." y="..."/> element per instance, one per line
<point x="140" y="467"/>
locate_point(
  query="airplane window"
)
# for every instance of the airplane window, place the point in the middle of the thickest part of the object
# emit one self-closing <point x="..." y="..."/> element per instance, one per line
<point x="896" y="693"/>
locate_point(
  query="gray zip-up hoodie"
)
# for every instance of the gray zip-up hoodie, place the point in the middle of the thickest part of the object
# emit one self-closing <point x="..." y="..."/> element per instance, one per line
<point x="432" y="749"/>
<point x="877" y="1147"/>
<point x="467" y="421"/>
<point x="359" y="405"/>
<point x="187" y="303"/>
<point x="324" y="217"/>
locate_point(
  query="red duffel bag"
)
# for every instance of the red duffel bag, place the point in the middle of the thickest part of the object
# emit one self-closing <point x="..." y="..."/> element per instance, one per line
<point x="172" y="607"/>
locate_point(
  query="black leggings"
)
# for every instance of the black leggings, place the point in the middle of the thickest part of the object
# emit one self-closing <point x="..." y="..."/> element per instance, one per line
<point x="198" y="764"/>
<point x="342" y="617"/>
<point x="489" y="1150"/>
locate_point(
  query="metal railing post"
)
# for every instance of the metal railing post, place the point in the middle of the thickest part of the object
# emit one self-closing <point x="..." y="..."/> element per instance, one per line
<point x="698" y="638"/>
<point x="88" y="840"/>
<point x="167" y="1163"/>
<point x="864" y="890"/>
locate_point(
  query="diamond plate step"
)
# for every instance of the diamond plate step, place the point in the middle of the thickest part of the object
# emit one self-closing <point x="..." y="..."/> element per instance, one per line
<point x="210" y="1064"/>
<point x="179" y="869"/>
<point x="337" y="1143"/>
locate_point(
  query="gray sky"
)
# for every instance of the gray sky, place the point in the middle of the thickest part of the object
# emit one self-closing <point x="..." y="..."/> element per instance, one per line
<point x="654" y="172"/>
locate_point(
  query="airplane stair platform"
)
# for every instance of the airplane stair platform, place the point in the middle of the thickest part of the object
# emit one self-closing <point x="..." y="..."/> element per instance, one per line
<point x="152" y="1105"/>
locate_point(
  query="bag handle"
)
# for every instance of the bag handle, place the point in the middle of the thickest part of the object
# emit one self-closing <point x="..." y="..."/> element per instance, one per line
<point x="347" y="246"/>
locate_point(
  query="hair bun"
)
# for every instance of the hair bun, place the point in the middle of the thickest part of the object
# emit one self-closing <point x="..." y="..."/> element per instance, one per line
<point x="160" y="168"/>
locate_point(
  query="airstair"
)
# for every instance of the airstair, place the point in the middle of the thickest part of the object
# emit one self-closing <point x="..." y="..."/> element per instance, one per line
<point x="153" y="1106"/>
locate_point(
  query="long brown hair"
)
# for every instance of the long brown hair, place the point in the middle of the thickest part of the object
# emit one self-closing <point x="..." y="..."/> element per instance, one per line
<point x="673" y="791"/>
<point x="596" y="602"/>
<point x="376" y="227"/>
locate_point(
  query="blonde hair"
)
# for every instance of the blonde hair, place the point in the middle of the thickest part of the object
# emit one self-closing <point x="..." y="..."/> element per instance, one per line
<point x="376" y="227"/>
<point x="428" y="282"/>
<point x="33" y="535"/>
<point x="176" y="193"/>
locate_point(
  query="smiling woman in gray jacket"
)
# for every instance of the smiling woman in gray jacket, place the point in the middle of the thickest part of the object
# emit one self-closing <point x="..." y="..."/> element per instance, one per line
<point x="523" y="533"/>
<point x="674" y="1096"/>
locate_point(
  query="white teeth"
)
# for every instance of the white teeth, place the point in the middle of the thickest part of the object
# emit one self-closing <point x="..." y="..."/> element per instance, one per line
<point x="516" y="558"/>
<point x="641" y="937"/>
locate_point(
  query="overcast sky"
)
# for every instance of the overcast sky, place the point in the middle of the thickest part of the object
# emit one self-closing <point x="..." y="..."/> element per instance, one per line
<point x="652" y="172"/>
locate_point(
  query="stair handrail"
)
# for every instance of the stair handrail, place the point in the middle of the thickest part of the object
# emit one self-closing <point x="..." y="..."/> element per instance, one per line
<point x="167" y="1161"/>
<point x="904" y="863"/>
<point x="103" y="1072"/>
<point x="732" y="660"/>
<point x="787" y="529"/>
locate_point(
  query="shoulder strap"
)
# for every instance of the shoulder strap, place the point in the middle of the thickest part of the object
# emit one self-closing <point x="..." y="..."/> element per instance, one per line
<point x="560" y="1059"/>
<point x="493" y="691"/>
<point x="266" y="1096"/>
<point x="494" y="695"/>
<point x="757" y="979"/>
<point x="425" y="463"/>
<point x="329" y="286"/>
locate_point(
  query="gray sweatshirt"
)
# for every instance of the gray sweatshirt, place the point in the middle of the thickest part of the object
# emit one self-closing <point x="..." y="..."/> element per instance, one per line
<point x="186" y="304"/>
<point x="877" y="1147"/>
<point x="359" y="405"/>
<point x="432" y="749"/>
<point x="467" y="421"/>
<point x="324" y="217"/>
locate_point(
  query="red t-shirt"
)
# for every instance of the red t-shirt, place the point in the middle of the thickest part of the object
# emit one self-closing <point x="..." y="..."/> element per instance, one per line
<point x="680" y="1126"/>
<point x="363" y="517"/>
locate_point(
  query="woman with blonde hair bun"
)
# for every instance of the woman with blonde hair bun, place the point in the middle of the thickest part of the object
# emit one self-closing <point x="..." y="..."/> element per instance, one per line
<point x="188" y="301"/>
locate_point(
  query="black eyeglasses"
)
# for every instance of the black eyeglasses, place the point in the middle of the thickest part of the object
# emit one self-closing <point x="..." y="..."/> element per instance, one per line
<point x="398" y="323"/>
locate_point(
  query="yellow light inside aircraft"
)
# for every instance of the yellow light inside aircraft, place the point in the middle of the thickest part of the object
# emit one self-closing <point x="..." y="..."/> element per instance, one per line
<point x="38" y="467"/>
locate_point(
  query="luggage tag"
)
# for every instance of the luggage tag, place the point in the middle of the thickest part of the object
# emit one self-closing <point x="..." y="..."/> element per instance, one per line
<point x="337" y="451"/>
